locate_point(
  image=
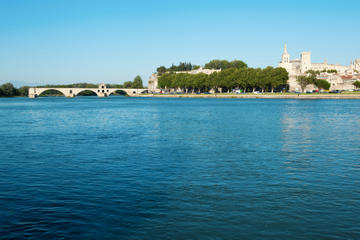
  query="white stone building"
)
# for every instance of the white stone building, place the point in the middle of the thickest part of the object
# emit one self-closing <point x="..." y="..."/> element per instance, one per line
<point x="301" y="66"/>
<point x="153" y="83"/>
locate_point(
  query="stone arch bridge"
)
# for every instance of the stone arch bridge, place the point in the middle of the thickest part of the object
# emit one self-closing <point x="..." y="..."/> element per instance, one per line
<point x="101" y="91"/>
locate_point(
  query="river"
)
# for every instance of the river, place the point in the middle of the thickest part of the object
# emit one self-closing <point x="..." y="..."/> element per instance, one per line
<point x="149" y="168"/>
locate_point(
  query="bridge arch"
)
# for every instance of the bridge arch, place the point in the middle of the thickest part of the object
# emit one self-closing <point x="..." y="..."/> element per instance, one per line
<point x="118" y="92"/>
<point x="87" y="92"/>
<point x="52" y="89"/>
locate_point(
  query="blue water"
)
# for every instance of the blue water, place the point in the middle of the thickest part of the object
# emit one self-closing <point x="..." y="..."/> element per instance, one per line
<point x="142" y="168"/>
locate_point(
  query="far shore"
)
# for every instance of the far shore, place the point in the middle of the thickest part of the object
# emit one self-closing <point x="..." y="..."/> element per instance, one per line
<point x="256" y="96"/>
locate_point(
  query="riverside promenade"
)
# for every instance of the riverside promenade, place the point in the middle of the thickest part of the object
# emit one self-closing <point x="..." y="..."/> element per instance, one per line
<point x="259" y="96"/>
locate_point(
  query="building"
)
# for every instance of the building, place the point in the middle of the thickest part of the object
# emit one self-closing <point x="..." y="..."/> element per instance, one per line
<point x="300" y="66"/>
<point x="340" y="81"/>
<point x="153" y="83"/>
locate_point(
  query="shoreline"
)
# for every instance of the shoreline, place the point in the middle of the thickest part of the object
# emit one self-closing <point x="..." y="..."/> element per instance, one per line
<point x="258" y="96"/>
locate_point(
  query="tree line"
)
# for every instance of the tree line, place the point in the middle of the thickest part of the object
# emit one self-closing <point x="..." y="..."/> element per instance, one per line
<point x="136" y="83"/>
<point x="8" y="90"/>
<point x="224" y="64"/>
<point x="238" y="76"/>
<point x="182" y="67"/>
<point x="214" y="64"/>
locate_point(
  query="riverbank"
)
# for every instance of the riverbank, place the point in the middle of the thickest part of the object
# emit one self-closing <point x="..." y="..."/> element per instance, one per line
<point x="258" y="96"/>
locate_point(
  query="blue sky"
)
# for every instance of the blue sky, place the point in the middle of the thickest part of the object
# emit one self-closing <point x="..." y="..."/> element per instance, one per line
<point x="67" y="41"/>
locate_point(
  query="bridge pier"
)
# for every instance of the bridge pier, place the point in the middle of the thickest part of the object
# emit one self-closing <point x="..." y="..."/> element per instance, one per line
<point x="32" y="93"/>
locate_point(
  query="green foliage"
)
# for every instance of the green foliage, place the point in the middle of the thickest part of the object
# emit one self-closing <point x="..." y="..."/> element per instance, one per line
<point x="313" y="72"/>
<point x="322" y="84"/>
<point x="311" y="78"/>
<point x="232" y="78"/>
<point x="182" y="67"/>
<point x="330" y="71"/>
<point x="161" y="70"/>
<point x="317" y="72"/>
<point x="8" y="90"/>
<point x="23" y="91"/>
<point x="138" y="83"/>
<point x="128" y="84"/>
<point x="224" y="64"/>
<point x="214" y="64"/>
<point x="304" y="81"/>
<point x="357" y="84"/>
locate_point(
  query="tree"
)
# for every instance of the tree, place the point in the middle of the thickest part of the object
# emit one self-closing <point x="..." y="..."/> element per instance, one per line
<point x="313" y="72"/>
<point x="7" y="90"/>
<point x="253" y="77"/>
<point x="322" y="84"/>
<point x="235" y="75"/>
<point x="161" y="70"/>
<point x="303" y="81"/>
<point x="279" y="78"/>
<point x="238" y="64"/>
<point x="223" y="64"/>
<point x="23" y="91"/>
<point x="266" y="78"/>
<point x="128" y="84"/>
<point x="217" y="64"/>
<point x="357" y="84"/>
<point x="137" y="82"/>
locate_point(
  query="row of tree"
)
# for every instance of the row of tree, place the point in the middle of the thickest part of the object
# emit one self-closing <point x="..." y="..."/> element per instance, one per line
<point x="246" y="79"/>
<point x="183" y="66"/>
<point x="214" y="64"/>
<point x="224" y="64"/>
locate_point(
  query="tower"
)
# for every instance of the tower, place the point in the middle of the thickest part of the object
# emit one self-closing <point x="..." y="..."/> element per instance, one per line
<point x="285" y="56"/>
<point x="285" y="61"/>
<point x="305" y="61"/>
